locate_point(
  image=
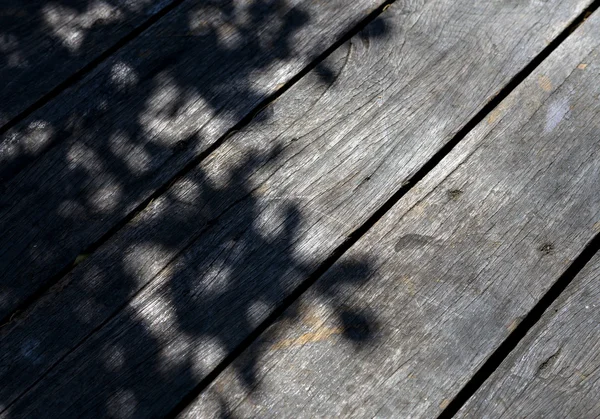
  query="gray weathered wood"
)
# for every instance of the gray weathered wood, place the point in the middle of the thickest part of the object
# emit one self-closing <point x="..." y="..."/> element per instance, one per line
<point x="455" y="265"/>
<point x="213" y="256"/>
<point x="140" y="117"/>
<point x="555" y="371"/>
<point x="43" y="42"/>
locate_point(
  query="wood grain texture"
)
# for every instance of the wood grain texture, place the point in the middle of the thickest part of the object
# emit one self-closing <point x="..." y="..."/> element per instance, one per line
<point x="44" y="42"/>
<point x="214" y="255"/>
<point x="455" y="264"/>
<point x="554" y="372"/>
<point x="139" y="118"/>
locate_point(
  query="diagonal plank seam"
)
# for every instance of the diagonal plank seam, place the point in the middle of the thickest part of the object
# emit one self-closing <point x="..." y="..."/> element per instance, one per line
<point x="528" y="322"/>
<point x="503" y="350"/>
<point x="82" y="72"/>
<point x="32" y="299"/>
<point x="115" y="313"/>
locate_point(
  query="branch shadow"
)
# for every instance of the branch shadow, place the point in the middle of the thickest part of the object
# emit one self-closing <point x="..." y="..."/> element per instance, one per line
<point x="134" y="328"/>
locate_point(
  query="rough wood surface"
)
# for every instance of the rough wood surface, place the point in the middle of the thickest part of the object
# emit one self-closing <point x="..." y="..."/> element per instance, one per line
<point x="43" y="42"/>
<point x="137" y="120"/>
<point x="214" y="255"/>
<point x="454" y="265"/>
<point x="555" y="371"/>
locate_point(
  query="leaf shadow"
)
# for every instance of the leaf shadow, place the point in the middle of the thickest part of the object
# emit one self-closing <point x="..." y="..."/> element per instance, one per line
<point x="134" y="327"/>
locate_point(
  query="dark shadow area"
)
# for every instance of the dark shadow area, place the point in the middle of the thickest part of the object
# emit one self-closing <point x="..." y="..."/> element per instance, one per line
<point x="43" y="43"/>
<point x="212" y="259"/>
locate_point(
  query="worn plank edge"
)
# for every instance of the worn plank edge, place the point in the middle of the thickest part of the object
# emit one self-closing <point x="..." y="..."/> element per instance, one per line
<point x="87" y="68"/>
<point x="461" y="152"/>
<point x="525" y="329"/>
<point x="498" y="356"/>
<point x="451" y="135"/>
<point x="90" y="249"/>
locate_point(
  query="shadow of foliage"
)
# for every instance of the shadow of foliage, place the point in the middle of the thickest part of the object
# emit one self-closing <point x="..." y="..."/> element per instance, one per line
<point x="136" y="326"/>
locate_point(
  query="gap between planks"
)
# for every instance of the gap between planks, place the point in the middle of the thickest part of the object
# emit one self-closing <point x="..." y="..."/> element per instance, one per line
<point x="517" y="335"/>
<point x="31" y="300"/>
<point x="357" y="232"/>
<point x="87" y="68"/>
<point x="583" y="253"/>
<point x="559" y="358"/>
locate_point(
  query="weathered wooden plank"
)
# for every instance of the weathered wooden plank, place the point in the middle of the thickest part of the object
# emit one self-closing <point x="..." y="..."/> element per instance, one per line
<point x="214" y="255"/>
<point x="140" y="117"/>
<point x="554" y="371"/>
<point x="44" y="42"/>
<point x="455" y="265"/>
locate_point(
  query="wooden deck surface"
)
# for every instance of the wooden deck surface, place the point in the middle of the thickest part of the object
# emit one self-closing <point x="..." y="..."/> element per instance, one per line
<point x="294" y="208"/>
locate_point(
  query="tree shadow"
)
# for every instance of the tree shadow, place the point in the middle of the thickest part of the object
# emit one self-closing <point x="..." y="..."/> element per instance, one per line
<point x="43" y="42"/>
<point x="224" y="259"/>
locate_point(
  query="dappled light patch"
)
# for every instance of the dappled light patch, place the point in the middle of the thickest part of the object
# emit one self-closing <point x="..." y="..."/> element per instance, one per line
<point x="123" y="75"/>
<point x="137" y="157"/>
<point x="122" y="404"/>
<point x="146" y="259"/>
<point x="114" y="357"/>
<point x="71" y="26"/>
<point x="107" y="197"/>
<point x="172" y="114"/>
<point x="192" y="272"/>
